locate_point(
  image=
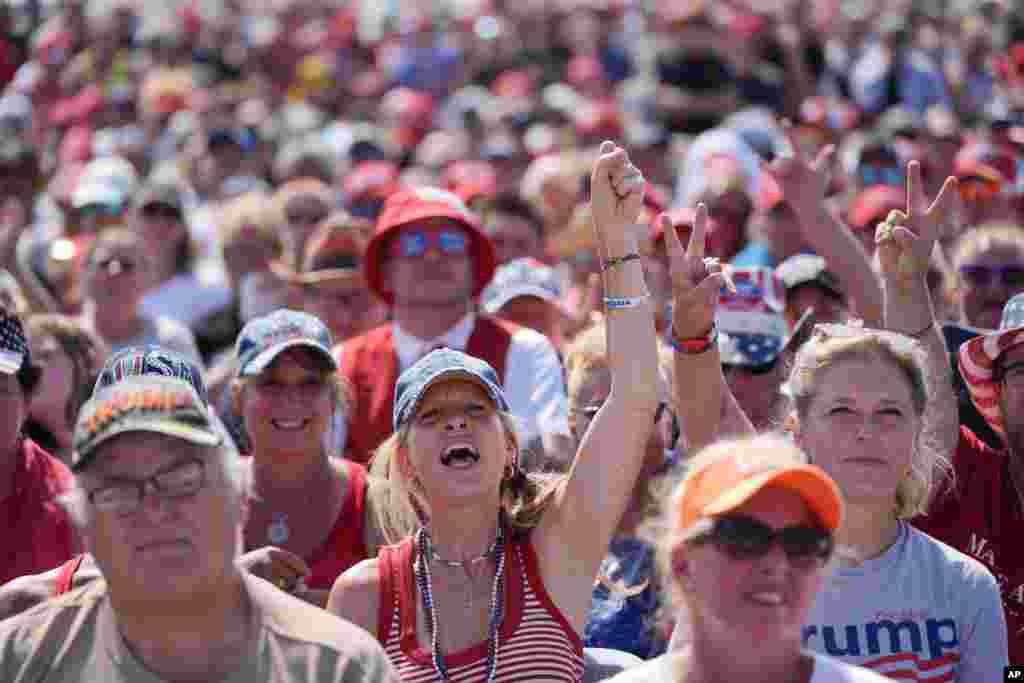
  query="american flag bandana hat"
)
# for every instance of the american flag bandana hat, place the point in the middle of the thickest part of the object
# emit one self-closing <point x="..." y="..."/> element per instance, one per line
<point x="977" y="361"/>
<point x="14" y="353"/>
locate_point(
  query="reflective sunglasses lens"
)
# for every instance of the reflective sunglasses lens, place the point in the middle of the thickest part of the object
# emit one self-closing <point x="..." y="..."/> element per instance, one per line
<point x="452" y="242"/>
<point x="412" y="244"/>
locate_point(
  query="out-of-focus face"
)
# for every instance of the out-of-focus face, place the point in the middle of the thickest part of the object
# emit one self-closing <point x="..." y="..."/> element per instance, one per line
<point x="347" y="307"/>
<point x="116" y="277"/>
<point x="167" y="549"/>
<point x="13" y="405"/>
<point x="535" y="313"/>
<point x="987" y="282"/>
<point x="761" y="600"/>
<point x="457" y="447"/>
<point x="757" y="390"/>
<point x="861" y="428"/>
<point x="429" y="263"/>
<point x="1011" y="368"/>
<point x="54" y="388"/>
<point x="302" y="214"/>
<point x="288" y="407"/>
<point x="161" y="226"/>
<point x="248" y="250"/>
<point x="513" y="237"/>
<point x="828" y="307"/>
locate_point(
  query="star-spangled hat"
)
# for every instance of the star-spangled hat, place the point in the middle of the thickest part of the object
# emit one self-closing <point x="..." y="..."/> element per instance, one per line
<point x="150" y="360"/>
<point x="978" y="359"/>
<point x="14" y="353"/>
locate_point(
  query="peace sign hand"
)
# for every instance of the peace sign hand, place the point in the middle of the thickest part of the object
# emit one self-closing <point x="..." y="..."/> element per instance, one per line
<point x="616" y="193"/>
<point x="803" y="182"/>
<point x="905" y="240"/>
<point x="696" y="280"/>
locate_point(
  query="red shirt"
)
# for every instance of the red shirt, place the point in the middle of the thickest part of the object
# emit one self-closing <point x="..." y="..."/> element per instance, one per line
<point x="982" y="517"/>
<point x="37" y="532"/>
<point x="345" y="545"/>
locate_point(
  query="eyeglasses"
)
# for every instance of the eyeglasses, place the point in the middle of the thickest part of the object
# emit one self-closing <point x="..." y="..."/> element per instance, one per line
<point x="165" y="211"/>
<point x="974" y="189"/>
<point x="981" y="276"/>
<point x="305" y="217"/>
<point x="99" y="211"/>
<point x="177" y="482"/>
<point x="589" y="412"/>
<point x="745" y="538"/>
<point x="879" y="174"/>
<point x="414" y="243"/>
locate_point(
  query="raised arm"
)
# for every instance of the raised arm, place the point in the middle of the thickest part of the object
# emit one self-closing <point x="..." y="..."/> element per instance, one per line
<point x="703" y="401"/>
<point x="905" y="245"/>
<point x="803" y="183"/>
<point x="572" y="537"/>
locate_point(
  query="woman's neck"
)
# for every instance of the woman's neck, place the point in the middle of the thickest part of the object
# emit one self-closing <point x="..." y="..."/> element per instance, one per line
<point x="273" y="476"/>
<point x="54" y="421"/>
<point x="113" y="326"/>
<point x="461" y="535"/>
<point x="867" y="531"/>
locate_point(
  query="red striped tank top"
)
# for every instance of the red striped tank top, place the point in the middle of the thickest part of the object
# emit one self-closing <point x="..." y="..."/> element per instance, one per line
<point x="536" y="643"/>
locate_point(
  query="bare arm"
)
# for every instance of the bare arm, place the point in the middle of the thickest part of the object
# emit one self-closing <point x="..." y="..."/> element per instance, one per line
<point x="355" y="595"/>
<point x="572" y="537"/>
<point x="904" y="255"/>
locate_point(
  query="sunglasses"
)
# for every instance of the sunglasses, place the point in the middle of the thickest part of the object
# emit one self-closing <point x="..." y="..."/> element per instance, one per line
<point x="115" y="266"/>
<point x="879" y="174"/>
<point x="974" y="189"/>
<point x="164" y="211"/>
<point x="745" y="538"/>
<point x="414" y="243"/>
<point x="305" y="217"/>
<point x="981" y="276"/>
<point x="761" y="369"/>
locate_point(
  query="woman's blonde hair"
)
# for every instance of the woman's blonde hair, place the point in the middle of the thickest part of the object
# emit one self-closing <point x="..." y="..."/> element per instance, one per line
<point x="250" y="209"/>
<point x="822" y="352"/>
<point x="400" y="509"/>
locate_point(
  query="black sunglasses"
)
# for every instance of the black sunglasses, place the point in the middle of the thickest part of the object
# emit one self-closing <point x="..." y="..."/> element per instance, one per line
<point x="745" y="538"/>
<point x="760" y="369"/>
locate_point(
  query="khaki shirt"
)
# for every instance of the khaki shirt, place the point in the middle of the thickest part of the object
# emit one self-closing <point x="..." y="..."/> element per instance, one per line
<point x="75" y="638"/>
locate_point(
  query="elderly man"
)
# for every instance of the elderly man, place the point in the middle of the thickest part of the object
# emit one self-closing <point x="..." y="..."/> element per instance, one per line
<point x="158" y="500"/>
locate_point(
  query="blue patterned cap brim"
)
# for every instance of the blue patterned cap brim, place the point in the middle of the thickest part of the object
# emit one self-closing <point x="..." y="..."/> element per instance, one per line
<point x="262" y="360"/>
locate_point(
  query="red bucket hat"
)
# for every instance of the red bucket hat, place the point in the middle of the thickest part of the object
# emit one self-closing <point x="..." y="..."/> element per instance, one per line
<point x="409" y="206"/>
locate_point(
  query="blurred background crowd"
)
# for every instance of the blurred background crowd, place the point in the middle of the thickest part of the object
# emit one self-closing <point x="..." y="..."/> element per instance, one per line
<point x="172" y="170"/>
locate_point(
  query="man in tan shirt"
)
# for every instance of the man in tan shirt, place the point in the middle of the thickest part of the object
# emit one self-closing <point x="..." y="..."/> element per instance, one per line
<point x="158" y="502"/>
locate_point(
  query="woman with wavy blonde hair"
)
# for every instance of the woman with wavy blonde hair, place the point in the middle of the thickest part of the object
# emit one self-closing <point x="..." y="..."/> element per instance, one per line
<point x="495" y="582"/>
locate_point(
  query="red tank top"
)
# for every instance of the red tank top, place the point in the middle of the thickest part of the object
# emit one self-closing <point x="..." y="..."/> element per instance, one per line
<point x="345" y="546"/>
<point x="536" y="643"/>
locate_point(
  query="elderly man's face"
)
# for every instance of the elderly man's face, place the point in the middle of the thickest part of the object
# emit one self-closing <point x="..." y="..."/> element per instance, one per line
<point x="166" y="548"/>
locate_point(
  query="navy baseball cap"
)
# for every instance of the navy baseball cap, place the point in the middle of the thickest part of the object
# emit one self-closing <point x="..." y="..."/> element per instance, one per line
<point x="436" y="366"/>
<point x="263" y="339"/>
<point x="150" y="360"/>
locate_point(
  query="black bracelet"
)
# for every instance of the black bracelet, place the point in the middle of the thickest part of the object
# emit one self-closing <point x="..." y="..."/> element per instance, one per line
<point x="610" y="263"/>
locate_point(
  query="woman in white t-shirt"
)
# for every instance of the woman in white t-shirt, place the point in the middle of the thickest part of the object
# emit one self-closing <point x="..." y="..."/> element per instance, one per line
<point x="748" y="535"/>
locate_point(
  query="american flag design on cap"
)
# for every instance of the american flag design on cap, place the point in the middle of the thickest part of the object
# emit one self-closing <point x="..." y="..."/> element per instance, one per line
<point x="13" y="345"/>
<point x="977" y="361"/>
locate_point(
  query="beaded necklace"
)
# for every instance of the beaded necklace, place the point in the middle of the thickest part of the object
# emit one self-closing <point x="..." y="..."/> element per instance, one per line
<point x="423" y="580"/>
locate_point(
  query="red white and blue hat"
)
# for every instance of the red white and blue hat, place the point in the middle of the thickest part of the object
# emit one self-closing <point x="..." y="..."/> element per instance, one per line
<point x="263" y="339"/>
<point x="14" y="353"/>
<point x="978" y="361"/>
<point x="752" y="328"/>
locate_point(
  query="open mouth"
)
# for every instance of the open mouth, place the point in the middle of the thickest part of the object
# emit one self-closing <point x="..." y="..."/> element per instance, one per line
<point x="460" y="456"/>
<point x="767" y="598"/>
<point x="290" y="425"/>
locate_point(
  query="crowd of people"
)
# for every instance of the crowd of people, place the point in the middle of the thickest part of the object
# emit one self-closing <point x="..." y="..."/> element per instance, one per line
<point x="568" y="340"/>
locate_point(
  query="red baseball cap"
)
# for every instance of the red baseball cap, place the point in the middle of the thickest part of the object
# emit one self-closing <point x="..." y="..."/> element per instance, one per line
<point x="471" y="179"/>
<point x="416" y="204"/>
<point x="985" y="160"/>
<point x="873" y="205"/>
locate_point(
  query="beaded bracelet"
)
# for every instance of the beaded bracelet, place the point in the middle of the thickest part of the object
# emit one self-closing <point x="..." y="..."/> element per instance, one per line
<point x="610" y="263"/>
<point x="616" y="302"/>
<point x="696" y="345"/>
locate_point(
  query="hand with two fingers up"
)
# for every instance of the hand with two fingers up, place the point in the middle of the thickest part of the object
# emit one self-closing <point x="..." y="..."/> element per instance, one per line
<point x="696" y="280"/>
<point x="906" y="239"/>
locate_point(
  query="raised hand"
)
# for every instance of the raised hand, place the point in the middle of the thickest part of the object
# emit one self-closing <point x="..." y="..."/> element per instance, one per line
<point x="696" y="280"/>
<point x="905" y="240"/>
<point x="278" y="566"/>
<point x="803" y="181"/>
<point x="616" y="192"/>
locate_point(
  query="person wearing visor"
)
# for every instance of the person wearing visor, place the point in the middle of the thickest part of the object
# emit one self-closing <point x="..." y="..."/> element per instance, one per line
<point x="746" y="539"/>
<point x="289" y="398"/>
<point x="857" y="408"/>
<point x="158" y="497"/>
<point x="492" y="572"/>
<point x="429" y="260"/>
